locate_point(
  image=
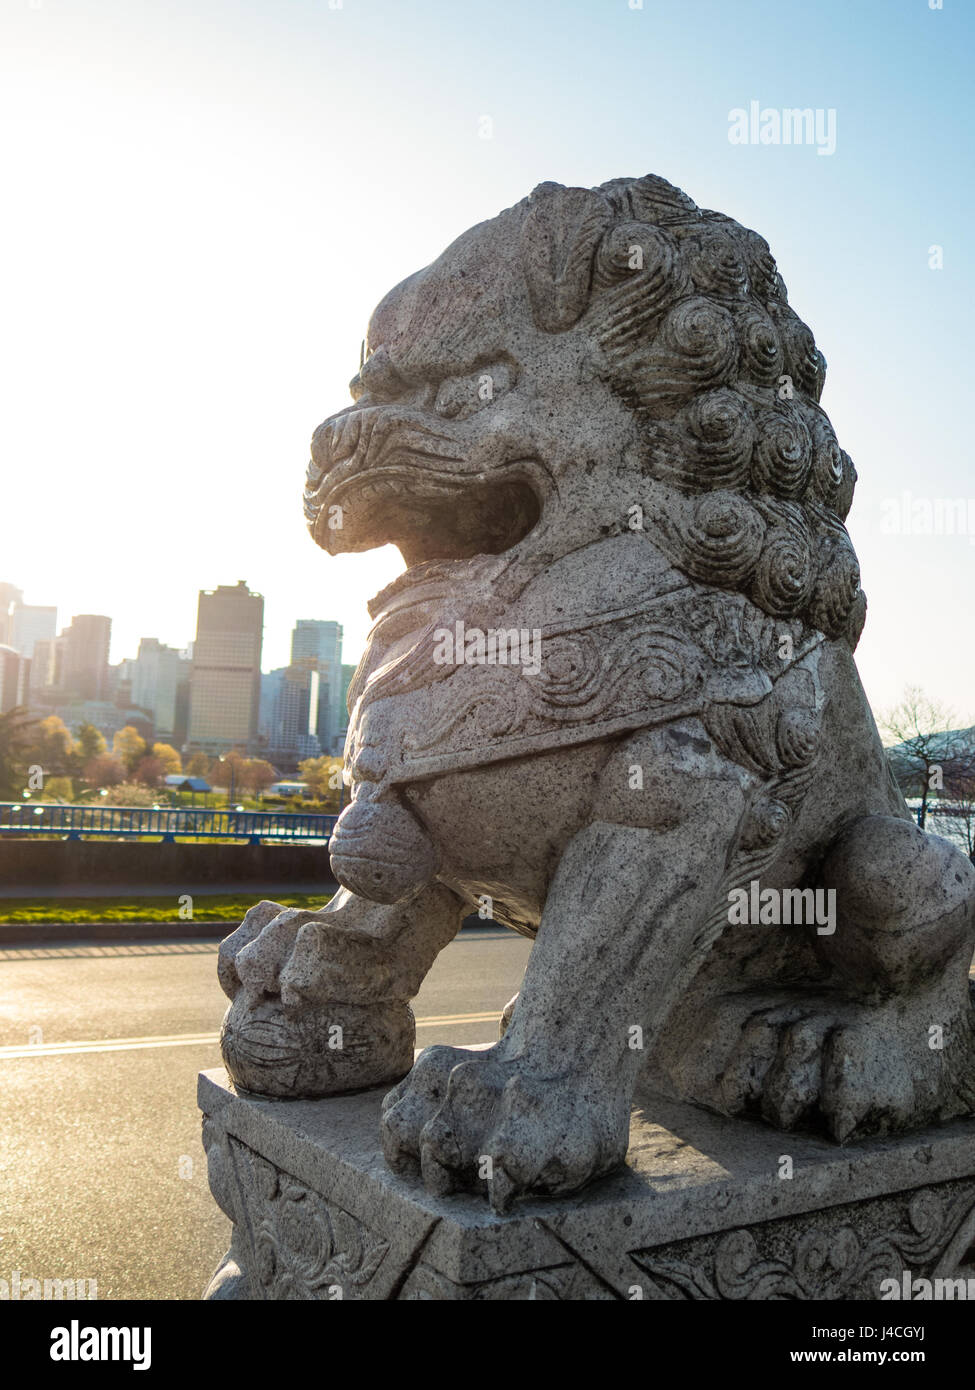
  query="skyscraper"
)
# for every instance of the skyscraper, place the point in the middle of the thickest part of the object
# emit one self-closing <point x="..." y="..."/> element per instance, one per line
<point x="31" y="623"/>
<point x="84" y="646"/>
<point x="289" y="713"/>
<point x="9" y="596"/>
<point x="42" y="666"/>
<point x="225" y="683"/>
<point x="14" y="679"/>
<point x="321" y="642"/>
<point x="156" y="675"/>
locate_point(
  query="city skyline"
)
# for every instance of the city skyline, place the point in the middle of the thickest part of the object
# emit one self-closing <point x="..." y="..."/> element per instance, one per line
<point x="216" y="198"/>
<point x="210" y="695"/>
<point x="278" y="644"/>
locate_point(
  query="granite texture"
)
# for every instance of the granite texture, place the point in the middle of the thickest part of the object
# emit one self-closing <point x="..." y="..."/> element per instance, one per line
<point x="700" y="1210"/>
<point x="613" y="702"/>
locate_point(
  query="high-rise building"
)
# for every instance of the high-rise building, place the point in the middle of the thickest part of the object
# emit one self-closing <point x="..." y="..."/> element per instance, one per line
<point x="14" y="679"/>
<point x="225" y="681"/>
<point x="84" y="657"/>
<point x="118" y="686"/>
<point x="43" y="668"/>
<point x="347" y="673"/>
<point x="289" y="714"/>
<point x="270" y="685"/>
<point x="31" y="623"/>
<point x="10" y="595"/>
<point x="181" y="713"/>
<point x="321" y="642"/>
<point x="156" y="675"/>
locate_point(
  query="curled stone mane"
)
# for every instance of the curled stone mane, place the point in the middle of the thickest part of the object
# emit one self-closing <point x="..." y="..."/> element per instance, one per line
<point x="748" y="487"/>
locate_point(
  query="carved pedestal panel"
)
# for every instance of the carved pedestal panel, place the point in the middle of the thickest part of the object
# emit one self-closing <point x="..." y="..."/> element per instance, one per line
<point x="704" y="1209"/>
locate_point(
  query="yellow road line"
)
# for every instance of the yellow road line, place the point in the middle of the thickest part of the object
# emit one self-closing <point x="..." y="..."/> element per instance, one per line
<point x="108" y="1045"/>
<point x="491" y="1017"/>
<point x="68" y="1049"/>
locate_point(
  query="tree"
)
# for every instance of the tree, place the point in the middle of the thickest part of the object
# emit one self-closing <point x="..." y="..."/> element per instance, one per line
<point x="16" y="732"/>
<point x="315" y="772"/>
<point x="129" y="747"/>
<point x="170" y="759"/>
<point x="51" y="748"/>
<point x="91" y="744"/>
<point x="956" y="810"/>
<point x="258" y="775"/>
<point x="927" y="753"/>
<point x="149" y="771"/>
<point x="198" y="765"/>
<point x="131" y="794"/>
<point x="324" y="778"/>
<point x="58" y="789"/>
<point x="228" y="771"/>
<point x="104" y="771"/>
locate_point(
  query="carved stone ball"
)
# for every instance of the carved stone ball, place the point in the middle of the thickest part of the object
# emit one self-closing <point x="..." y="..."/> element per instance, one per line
<point x="380" y="852"/>
<point x="318" y="1050"/>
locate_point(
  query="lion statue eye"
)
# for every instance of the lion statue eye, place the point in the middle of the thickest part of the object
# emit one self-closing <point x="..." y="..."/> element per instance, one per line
<point x="460" y="396"/>
<point x="377" y="375"/>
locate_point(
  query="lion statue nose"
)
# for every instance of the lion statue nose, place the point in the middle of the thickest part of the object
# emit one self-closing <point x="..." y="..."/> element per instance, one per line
<point x="379" y="851"/>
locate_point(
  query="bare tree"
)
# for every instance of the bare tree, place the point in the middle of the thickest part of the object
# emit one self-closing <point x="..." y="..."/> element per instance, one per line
<point x="956" y="811"/>
<point x="926" y="756"/>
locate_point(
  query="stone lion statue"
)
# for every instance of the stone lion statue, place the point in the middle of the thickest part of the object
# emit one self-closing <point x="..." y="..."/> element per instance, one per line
<point x="613" y="696"/>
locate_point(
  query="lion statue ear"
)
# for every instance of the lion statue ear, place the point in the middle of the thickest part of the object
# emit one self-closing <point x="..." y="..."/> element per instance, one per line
<point x="559" y="236"/>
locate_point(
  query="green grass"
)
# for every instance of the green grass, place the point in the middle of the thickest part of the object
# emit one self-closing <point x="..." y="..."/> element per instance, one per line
<point x="207" y="907"/>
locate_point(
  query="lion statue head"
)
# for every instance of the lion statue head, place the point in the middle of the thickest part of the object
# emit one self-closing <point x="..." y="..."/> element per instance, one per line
<point x="592" y="361"/>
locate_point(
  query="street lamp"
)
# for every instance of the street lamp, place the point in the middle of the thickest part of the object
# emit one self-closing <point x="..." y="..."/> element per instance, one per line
<point x="232" y="787"/>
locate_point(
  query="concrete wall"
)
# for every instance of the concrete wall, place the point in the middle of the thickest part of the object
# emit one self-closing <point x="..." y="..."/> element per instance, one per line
<point x="64" y="866"/>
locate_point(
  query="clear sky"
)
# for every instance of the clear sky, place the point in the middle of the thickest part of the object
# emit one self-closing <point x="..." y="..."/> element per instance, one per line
<point x="203" y="201"/>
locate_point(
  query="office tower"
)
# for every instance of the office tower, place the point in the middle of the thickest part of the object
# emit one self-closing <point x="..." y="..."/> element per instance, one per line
<point x="270" y="685"/>
<point x="14" y="679"/>
<point x="347" y="673"/>
<point x="321" y="642"/>
<point x="181" y="710"/>
<point x="29" y="624"/>
<point x="118" y="688"/>
<point x="84" y="657"/>
<point x="289" y="715"/>
<point x="225" y="681"/>
<point x="9" y="596"/>
<point x="156" y="675"/>
<point x="42" y="666"/>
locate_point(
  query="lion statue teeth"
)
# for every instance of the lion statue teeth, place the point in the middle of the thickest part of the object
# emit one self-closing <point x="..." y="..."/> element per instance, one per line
<point x="614" y="695"/>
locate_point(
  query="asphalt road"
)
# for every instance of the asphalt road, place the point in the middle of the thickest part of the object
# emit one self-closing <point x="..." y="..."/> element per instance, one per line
<point x="102" y="1173"/>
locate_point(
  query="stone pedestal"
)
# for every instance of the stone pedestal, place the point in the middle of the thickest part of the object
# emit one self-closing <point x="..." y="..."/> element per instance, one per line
<point x="705" y="1208"/>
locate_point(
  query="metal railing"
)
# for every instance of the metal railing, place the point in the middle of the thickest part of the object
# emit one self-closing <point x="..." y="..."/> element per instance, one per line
<point x="130" y="822"/>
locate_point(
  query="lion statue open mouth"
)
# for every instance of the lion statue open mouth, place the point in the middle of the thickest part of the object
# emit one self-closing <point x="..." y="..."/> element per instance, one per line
<point x="613" y="697"/>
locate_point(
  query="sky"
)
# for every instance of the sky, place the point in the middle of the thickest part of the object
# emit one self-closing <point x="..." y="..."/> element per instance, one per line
<point x="204" y="201"/>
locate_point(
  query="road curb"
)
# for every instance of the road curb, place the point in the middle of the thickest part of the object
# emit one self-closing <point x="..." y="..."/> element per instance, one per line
<point x="34" y="934"/>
